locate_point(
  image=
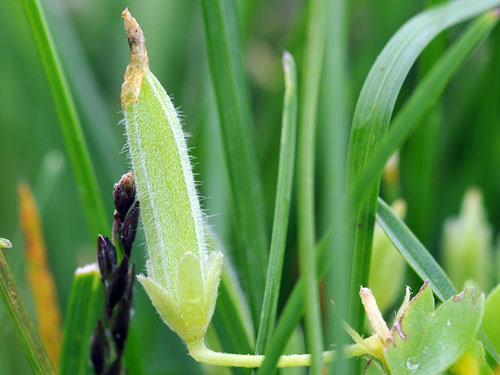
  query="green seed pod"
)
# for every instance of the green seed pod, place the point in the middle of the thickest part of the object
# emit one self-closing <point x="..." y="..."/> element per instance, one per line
<point x="183" y="276"/>
<point x="467" y="244"/>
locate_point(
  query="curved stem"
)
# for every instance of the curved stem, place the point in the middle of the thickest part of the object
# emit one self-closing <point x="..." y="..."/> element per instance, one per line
<point x="202" y="354"/>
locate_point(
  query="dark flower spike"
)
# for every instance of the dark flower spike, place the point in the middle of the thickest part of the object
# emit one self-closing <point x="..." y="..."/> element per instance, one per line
<point x="117" y="286"/>
<point x="120" y="324"/>
<point x="128" y="229"/>
<point x="99" y="349"/>
<point x="118" y="276"/>
<point x="106" y="257"/>
<point x="124" y="194"/>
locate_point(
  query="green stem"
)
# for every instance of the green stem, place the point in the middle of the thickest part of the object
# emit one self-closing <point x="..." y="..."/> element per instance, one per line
<point x="202" y="354"/>
<point x="306" y="151"/>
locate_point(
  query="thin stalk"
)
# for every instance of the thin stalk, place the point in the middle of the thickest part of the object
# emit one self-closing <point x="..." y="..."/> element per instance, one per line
<point x="282" y="205"/>
<point x="313" y="59"/>
<point x="68" y="120"/>
<point x="202" y="354"/>
<point x="23" y="325"/>
<point x="226" y="65"/>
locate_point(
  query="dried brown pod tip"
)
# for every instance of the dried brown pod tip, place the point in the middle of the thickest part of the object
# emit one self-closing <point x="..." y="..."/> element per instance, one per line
<point x="139" y="64"/>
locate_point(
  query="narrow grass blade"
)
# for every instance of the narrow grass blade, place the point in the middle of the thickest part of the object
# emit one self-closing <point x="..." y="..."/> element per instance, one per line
<point x="41" y="281"/>
<point x="421" y="260"/>
<point x="313" y="59"/>
<point x="333" y="133"/>
<point x="414" y="252"/>
<point x="425" y="95"/>
<point x="81" y="316"/>
<point x="68" y="119"/>
<point x="226" y="65"/>
<point x="373" y="113"/>
<point x="95" y="114"/>
<point x="282" y="205"/>
<point x="23" y="325"/>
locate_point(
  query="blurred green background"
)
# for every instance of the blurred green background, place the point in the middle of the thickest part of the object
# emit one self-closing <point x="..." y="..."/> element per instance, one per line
<point x="464" y="152"/>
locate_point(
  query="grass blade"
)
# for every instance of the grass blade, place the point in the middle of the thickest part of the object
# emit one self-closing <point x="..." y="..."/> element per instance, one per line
<point x="423" y="98"/>
<point x="82" y="313"/>
<point x="313" y="58"/>
<point x="68" y="120"/>
<point x="373" y="113"/>
<point x="334" y="138"/>
<point x="226" y="65"/>
<point x="421" y="260"/>
<point x="282" y="205"/>
<point x="414" y="252"/>
<point x="23" y="325"/>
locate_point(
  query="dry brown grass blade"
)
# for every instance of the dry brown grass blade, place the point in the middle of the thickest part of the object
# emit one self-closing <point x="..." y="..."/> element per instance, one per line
<point x="41" y="281"/>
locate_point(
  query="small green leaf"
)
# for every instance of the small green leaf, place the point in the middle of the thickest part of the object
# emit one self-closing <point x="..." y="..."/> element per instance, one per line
<point x="428" y="342"/>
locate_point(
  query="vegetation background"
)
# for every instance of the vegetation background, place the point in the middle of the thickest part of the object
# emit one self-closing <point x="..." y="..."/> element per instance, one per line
<point x="464" y="151"/>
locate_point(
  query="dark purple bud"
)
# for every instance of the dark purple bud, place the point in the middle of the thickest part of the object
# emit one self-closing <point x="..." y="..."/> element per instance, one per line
<point x="128" y="229"/>
<point x="117" y="286"/>
<point x="124" y="194"/>
<point x="99" y="349"/>
<point x="106" y="257"/>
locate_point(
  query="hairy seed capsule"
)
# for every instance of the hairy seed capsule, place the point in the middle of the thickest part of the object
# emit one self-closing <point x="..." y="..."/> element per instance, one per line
<point x="183" y="276"/>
